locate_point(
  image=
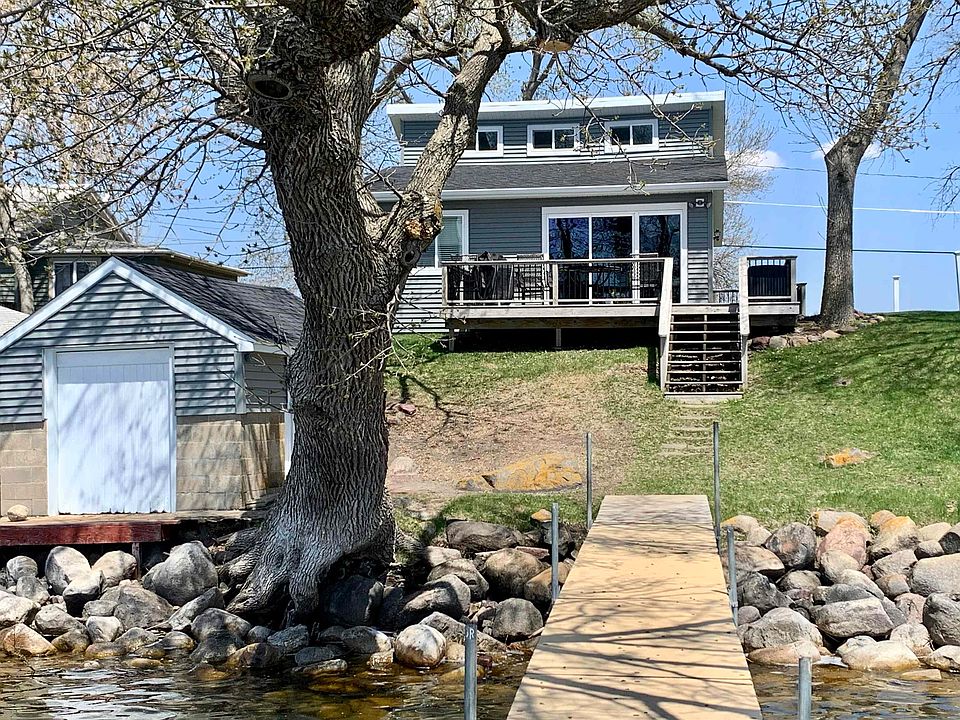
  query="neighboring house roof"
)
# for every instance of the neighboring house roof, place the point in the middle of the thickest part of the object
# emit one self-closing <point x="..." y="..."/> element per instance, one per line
<point x="139" y="252"/>
<point x="255" y="318"/>
<point x="268" y="315"/>
<point x="9" y="318"/>
<point x="558" y="179"/>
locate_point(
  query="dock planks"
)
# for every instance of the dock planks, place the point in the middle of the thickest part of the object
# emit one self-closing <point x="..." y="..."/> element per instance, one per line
<point x="642" y="628"/>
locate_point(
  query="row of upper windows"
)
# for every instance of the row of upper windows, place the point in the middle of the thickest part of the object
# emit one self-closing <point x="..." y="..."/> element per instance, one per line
<point x="550" y="139"/>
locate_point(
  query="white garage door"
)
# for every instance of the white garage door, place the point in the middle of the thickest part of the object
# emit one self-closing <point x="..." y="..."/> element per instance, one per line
<point x="114" y="442"/>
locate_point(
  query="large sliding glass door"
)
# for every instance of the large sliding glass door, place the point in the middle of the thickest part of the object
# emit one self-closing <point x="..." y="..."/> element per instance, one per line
<point x="594" y="234"/>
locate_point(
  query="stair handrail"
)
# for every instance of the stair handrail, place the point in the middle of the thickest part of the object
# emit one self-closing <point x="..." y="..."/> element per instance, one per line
<point x="743" y="300"/>
<point x="665" y="310"/>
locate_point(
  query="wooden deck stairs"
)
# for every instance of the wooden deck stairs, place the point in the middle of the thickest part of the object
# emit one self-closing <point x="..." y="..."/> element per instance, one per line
<point x="704" y="355"/>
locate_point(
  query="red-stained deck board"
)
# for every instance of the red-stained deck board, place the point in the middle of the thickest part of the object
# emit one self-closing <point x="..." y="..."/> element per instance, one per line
<point x="81" y="533"/>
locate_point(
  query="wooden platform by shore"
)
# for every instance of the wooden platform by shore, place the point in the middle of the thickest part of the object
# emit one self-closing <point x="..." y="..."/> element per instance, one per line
<point x="642" y="628"/>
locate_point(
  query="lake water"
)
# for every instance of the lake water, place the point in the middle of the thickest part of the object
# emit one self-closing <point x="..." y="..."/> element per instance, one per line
<point x="51" y="690"/>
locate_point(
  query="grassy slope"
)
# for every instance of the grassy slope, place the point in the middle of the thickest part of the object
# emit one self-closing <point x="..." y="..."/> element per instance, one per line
<point x="903" y="403"/>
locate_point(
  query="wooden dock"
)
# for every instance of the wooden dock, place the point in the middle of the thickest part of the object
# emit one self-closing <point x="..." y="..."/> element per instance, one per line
<point x="642" y="628"/>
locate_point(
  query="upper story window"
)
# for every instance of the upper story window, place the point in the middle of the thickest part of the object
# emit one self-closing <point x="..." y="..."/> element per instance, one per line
<point x="543" y="139"/>
<point x="632" y="135"/>
<point x="68" y="272"/>
<point x="451" y="243"/>
<point x="488" y="142"/>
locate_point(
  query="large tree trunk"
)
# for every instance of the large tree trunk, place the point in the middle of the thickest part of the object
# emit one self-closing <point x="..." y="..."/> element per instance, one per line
<point x="836" y="305"/>
<point x="13" y="255"/>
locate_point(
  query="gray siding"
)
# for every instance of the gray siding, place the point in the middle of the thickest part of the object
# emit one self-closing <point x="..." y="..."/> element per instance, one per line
<point x="264" y="379"/>
<point x="114" y="312"/>
<point x="515" y="226"/>
<point x="681" y="135"/>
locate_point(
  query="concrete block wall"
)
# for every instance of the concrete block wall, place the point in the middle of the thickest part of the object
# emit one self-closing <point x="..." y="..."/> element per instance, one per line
<point x="23" y="467"/>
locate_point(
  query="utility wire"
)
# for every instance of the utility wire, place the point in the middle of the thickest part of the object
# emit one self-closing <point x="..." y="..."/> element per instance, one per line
<point x="861" y="172"/>
<point x="866" y="250"/>
<point x="823" y="207"/>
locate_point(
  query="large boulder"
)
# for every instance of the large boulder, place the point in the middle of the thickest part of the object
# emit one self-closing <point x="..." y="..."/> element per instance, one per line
<point x="83" y="588"/>
<point x="138" y="607"/>
<point x="915" y="636"/>
<point x="786" y="655"/>
<point x="834" y="562"/>
<point x="509" y="570"/>
<point x="750" y="558"/>
<point x="936" y="531"/>
<point x="21" y="566"/>
<point x="75" y="641"/>
<point x="941" y="615"/>
<point x="852" y="577"/>
<point x="52" y="621"/>
<point x="365" y="641"/>
<point x="256" y="656"/>
<point x="911" y="605"/>
<point x="756" y="590"/>
<point x="32" y="588"/>
<point x="950" y="540"/>
<point x="216" y="647"/>
<point x="353" y="601"/>
<point x="741" y="524"/>
<point x="893" y="586"/>
<point x="885" y="656"/>
<point x="115" y="566"/>
<point x="21" y="641"/>
<point x="794" y="544"/>
<point x="135" y="638"/>
<point x="929" y="549"/>
<point x="824" y="521"/>
<point x="469" y="536"/>
<point x="183" y="617"/>
<point x="780" y="626"/>
<point x="453" y="630"/>
<point x="420" y="646"/>
<point x="840" y="593"/>
<point x="854" y="617"/>
<point x="946" y="658"/>
<point x="63" y="565"/>
<point x="466" y="571"/>
<point x="290" y="640"/>
<point x="448" y="595"/>
<point x="15" y="610"/>
<point x="550" y="471"/>
<point x="936" y="575"/>
<point x="103" y="629"/>
<point x="215" y="620"/>
<point x="434" y="555"/>
<point x="516" y="619"/>
<point x="99" y="608"/>
<point x="539" y="588"/>
<point x="800" y="580"/>
<point x="849" y="537"/>
<point x="897" y="533"/>
<point x="186" y="574"/>
<point x="898" y="563"/>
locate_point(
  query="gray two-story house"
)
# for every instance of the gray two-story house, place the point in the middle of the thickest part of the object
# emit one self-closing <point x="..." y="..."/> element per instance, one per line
<point x="566" y="214"/>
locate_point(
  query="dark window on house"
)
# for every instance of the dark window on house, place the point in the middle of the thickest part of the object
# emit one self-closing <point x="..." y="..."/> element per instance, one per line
<point x="449" y="244"/>
<point x="554" y="138"/>
<point x="543" y="139"/>
<point x="625" y="136"/>
<point x="66" y="273"/>
<point x="488" y="140"/>
<point x="564" y="138"/>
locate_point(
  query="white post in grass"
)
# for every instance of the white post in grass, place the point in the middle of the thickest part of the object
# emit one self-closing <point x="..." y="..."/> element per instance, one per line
<point x="956" y="257"/>
<point x="896" y="293"/>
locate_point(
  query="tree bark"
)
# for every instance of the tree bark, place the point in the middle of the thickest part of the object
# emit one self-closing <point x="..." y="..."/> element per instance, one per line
<point x="837" y="307"/>
<point x="13" y="254"/>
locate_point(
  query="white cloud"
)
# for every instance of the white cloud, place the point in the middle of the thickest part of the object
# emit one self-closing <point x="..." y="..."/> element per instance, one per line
<point x="762" y="160"/>
<point x="873" y="151"/>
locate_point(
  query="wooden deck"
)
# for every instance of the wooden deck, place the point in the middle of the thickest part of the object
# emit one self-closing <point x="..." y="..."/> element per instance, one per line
<point x="107" y="529"/>
<point x="642" y="628"/>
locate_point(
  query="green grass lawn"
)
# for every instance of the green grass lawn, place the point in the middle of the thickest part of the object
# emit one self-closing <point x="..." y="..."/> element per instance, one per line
<point x="902" y="403"/>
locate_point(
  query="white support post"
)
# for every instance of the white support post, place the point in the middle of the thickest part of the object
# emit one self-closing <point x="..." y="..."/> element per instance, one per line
<point x="896" y="293"/>
<point x="956" y="256"/>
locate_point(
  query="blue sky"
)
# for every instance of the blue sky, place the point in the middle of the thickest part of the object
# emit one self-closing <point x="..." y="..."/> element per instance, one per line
<point x="927" y="281"/>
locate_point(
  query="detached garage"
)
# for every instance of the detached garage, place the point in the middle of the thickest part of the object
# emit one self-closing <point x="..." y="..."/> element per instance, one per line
<point x="146" y="388"/>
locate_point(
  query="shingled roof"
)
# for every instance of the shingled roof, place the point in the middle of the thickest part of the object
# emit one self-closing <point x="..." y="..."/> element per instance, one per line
<point x="269" y="315"/>
<point x="622" y="174"/>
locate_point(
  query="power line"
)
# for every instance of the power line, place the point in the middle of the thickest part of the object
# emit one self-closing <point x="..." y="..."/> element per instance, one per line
<point x="865" y="250"/>
<point x="823" y="207"/>
<point x="861" y="172"/>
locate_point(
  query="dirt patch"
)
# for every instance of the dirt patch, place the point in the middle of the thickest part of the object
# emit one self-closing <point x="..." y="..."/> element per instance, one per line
<point x="448" y="441"/>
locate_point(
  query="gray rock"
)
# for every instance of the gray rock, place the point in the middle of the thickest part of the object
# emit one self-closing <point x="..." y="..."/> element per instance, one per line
<point x="99" y="608"/>
<point x="854" y="617"/>
<point x="135" y="638"/>
<point x="322" y="669"/>
<point x="840" y="593"/>
<point x="950" y="540"/>
<point x="183" y="617"/>
<point x="365" y="641"/>
<point x="15" y="610"/>
<point x="946" y="658"/>
<point x="941" y="615"/>
<point x="186" y="574"/>
<point x="893" y="586"/>
<point x="911" y="605"/>
<point x="508" y="571"/>
<point x="885" y="656"/>
<point x="138" y="607"/>
<point x="62" y="565"/>
<point x="323" y="653"/>
<point x="469" y="536"/>
<point x="785" y="655"/>
<point x="466" y="571"/>
<point x="353" y="601"/>
<point x="176" y="640"/>
<point x="834" y="562"/>
<point x="756" y="590"/>
<point x="825" y="520"/>
<point x="255" y="656"/>
<point x="115" y="566"/>
<point x="215" y="620"/>
<point x="103" y="629"/>
<point x="258" y="634"/>
<point x="104" y="651"/>
<point x="448" y="595"/>
<point x="741" y="524"/>
<point x="848" y="537"/>
<point x="420" y="646"/>
<point x="757" y="537"/>
<point x="794" y="544"/>
<point x="934" y="532"/>
<point x="290" y="640"/>
<point x="852" y="577"/>
<point x="898" y="533"/>
<point x="915" y="636"/>
<point x="780" y="626"/>
<point x="800" y="580"/>
<point x="21" y="641"/>
<point x="855" y="642"/>
<point x="434" y="555"/>
<point x="33" y="588"/>
<point x="754" y="559"/>
<point x="83" y="587"/>
<point x="516" y="619"/>
<point x="893" y="612"/>
<point x="75" y="641"/>
<point x="936" y="575"/>
<point x="52" y="620"/>
<point x="747" y="614"/>
<point x="18" y="513"/>
<point x="453" y="631"/>
<point x="898" y="563"/>
<point x="21" y="566"/>
<point x="929" y="549"/>
<point x="216" y="647"/>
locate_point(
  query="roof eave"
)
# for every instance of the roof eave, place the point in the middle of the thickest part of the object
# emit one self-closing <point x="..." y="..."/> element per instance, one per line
<point x="503" y="193"/>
